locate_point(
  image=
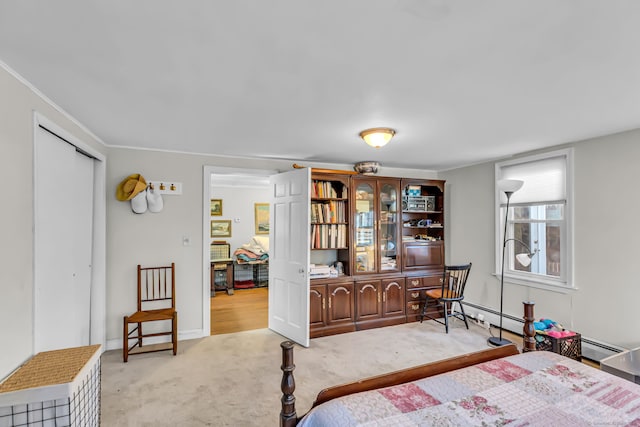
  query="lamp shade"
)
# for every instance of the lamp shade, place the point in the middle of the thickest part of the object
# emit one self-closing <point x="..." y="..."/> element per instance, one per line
<point x="510" y="185"/>
<point x="524" y="259"/>
<point x="377" y="137"/>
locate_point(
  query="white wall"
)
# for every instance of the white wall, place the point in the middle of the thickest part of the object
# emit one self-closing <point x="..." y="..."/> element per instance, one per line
<point x="17" y="104"/>
<point x="607" y="209"/>
<point x="238" y="203"/>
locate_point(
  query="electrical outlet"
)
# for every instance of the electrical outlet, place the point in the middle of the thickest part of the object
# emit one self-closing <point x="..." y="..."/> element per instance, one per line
<point x="486" y="324"/>
<point x="480" y="317"/>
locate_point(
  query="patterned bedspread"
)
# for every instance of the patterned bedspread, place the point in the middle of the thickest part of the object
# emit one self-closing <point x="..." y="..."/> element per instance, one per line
<point x="530" y="389"/>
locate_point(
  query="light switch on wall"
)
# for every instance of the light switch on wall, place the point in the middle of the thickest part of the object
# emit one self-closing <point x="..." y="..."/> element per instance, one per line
<point x="236" y="219"/>
<point x="186" y="241"/>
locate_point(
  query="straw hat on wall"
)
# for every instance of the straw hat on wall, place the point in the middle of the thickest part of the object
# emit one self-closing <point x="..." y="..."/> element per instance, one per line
<point x="130" y="187"/>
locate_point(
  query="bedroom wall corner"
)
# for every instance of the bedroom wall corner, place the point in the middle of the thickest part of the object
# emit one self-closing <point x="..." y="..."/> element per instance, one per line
<point x="18" y="103"/>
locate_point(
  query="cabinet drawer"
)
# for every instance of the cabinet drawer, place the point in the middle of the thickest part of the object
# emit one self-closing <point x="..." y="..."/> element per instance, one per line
<point x="416" y="295"/>
<point x="432" y="281"/>
<point x="414" y="282"/>
<point x="414" y="308"/>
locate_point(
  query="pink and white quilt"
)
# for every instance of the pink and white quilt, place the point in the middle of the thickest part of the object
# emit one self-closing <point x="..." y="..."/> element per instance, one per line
<point x="529" y="389"/>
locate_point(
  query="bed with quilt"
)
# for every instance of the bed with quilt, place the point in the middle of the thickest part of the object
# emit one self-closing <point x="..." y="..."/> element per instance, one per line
<point x="492" y="387"/>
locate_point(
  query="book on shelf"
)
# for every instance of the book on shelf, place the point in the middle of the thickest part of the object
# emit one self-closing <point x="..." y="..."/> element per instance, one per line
<point x="323" y="190"/>
<point x="333" y="211"/>
<point x="328" y="236"/>
<point x="319" y="271"/>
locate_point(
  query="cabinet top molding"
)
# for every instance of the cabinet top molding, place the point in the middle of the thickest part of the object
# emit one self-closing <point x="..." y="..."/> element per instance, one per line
<point x="335" y="171"/>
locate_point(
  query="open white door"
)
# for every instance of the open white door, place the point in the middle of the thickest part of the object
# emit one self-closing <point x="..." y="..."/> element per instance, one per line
<point x="289" y="255"/>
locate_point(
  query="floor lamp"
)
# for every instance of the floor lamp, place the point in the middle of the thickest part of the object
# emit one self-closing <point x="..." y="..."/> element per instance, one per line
<point x="509" y="186"/>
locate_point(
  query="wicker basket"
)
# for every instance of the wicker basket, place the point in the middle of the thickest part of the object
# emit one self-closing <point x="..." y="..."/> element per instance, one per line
<point x="570" y="346"/>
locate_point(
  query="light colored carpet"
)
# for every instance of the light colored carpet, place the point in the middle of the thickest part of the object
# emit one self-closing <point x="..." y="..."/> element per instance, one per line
<point x="234" y="379"/>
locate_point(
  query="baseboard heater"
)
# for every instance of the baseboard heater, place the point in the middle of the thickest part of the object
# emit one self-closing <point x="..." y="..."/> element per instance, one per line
<point x="591" y="349"/>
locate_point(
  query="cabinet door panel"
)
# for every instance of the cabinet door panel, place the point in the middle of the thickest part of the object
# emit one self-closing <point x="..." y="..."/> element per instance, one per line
<point x="393" y="297"/>
<point x="368" y="300"/>
<point x="365" y="226"/>
<point x="422" y="255"/>
<point x="389" y="225"/>
<point x="317" y="303"/>
<point x="340" y="303"/>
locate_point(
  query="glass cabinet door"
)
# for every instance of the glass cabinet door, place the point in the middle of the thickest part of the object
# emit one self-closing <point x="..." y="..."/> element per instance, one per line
<point x="388" y="230"/>
<point x="365" y="236"/>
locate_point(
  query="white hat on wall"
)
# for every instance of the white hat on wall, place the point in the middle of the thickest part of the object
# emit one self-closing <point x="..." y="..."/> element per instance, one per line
<point x="154" y="200"/>
<point x="139" y="203"/>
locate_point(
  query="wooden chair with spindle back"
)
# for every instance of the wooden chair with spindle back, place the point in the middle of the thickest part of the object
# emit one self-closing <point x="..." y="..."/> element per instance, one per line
<point x="156" y="303"/>
<point x="454" y="280"/>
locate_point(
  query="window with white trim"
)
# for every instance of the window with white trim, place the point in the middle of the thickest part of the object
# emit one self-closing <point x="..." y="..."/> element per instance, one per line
<point x="539" y="219"/>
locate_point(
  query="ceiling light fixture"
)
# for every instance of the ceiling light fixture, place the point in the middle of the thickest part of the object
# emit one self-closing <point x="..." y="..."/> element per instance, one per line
<point x="377" y="137"/>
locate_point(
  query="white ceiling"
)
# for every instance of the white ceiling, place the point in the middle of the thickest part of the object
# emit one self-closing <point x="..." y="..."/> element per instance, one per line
<point x="461" y="81"/>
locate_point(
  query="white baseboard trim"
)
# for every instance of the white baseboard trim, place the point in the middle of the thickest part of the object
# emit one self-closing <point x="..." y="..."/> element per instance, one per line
<point x="591" y="348"/>
<point x="115" y="344"/>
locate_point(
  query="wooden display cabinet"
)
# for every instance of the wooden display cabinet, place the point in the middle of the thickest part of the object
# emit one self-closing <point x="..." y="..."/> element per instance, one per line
<point x="388" y="233"/>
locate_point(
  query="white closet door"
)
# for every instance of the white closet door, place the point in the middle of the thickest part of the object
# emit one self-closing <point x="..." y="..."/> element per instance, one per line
<point x="63" y="241"/>
<point x="82" y="233"/>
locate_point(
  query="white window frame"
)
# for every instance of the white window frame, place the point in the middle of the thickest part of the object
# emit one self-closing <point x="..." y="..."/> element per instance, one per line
<point x="564" y="283"/>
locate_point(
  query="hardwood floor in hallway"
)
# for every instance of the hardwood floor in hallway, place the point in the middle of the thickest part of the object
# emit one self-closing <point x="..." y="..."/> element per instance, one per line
<point x="245" y="310"/>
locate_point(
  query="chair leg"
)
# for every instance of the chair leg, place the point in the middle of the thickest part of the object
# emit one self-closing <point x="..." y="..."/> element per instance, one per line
<point x="424" y="309"/>
<point x="139" y="335"/>
<point x="125" y="341"/>
<point x="464" y="316"/>
<point x="174" y="332"/>
<point x="446" y="317"/>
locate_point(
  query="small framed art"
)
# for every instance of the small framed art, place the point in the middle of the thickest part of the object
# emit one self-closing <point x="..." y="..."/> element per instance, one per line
<point x="216" y="207"/>
<point x="221" y="228"/>
<point x="262" y="218"/>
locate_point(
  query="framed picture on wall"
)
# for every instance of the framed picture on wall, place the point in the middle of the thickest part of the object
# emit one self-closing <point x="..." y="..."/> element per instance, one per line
<point x="216" y="207"/>
<point x="221" y="228"/>
<point x="262" y="218"/>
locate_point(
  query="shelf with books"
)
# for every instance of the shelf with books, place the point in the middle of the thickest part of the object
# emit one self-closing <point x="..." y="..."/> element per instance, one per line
<point x="329" y="224"/>
<point x="329" y="236"/>
<point x="328" y="211"/>
<point x="329" y="189"/>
